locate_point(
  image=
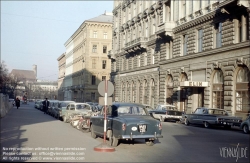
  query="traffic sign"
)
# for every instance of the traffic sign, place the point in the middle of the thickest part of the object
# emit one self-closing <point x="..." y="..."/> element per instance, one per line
<point x="101" y="88"/>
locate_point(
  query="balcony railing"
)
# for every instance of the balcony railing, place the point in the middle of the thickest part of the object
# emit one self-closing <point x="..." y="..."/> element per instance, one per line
<point x="166" y="29"/>
<point x="136" y="41"/>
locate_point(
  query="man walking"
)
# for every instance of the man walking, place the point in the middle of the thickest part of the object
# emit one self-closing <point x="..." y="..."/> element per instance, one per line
<point x="17" y="103"/>
<point x="45" y="105"/>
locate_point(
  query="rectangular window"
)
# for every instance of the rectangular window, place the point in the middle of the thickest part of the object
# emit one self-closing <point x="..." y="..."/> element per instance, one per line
<point x="93" y="63"/>
<point x="95" y="34"/>
<point x="105" y="35"/>
<point x="93" y="81"/>
<point x="92" y="95"/>
<point x="104" y="64"/>
<point x="218" y="30"/>
<point x="94" y="49"/>
<point x="104" y="50"/>
<point x="200" y="40"/>
<point x="103" y="78"/>
<point x="185" y="38"/>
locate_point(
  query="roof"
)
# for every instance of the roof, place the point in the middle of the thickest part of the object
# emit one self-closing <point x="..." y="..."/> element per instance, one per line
<point x="104" y="18"/>
<point x="24" y="74"/>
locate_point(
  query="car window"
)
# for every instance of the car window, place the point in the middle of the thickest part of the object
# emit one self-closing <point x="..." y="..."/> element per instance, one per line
<point x="199" y="111"/>
<point x="68" y="107"/>
<point x="82" y="106"/>
<point x="131" y="110"/>
<point x="72" y="107"/>
<point x="215" y="111"/>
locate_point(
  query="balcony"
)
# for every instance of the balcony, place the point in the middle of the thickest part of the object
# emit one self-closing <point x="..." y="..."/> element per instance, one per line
<point x="136" y="44"/>
<point x="165" y="29"/>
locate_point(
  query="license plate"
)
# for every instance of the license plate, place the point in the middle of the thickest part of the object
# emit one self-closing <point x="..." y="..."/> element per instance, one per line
<point x="142" y="128"/>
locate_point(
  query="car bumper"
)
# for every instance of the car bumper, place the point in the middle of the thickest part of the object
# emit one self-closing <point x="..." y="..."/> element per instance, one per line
<point x="228" y="124"/>
<point x="140" y="136"/>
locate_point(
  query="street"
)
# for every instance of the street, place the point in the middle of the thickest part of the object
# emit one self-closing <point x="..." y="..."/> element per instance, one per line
<point x="43" y="138"/>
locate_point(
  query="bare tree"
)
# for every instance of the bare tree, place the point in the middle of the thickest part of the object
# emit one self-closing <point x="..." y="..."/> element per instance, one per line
<point x="4" y="78"/>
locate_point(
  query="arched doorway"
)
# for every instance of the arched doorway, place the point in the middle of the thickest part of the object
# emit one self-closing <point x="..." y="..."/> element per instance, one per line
<point x="184" y="94"/>
<point x="242" y="92"/>
<point x="169" y="90"/>
<point x="218" y="90"/>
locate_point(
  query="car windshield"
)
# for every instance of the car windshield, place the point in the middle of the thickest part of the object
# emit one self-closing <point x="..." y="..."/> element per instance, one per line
<point x="82" y="106"/>
<point x="216" y="111"/>
<point x="168" y="108"/>
<point x="131" y="110"/>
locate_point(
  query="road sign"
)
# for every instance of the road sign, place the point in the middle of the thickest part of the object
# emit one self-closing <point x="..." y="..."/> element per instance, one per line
<point x="101" y="88"/>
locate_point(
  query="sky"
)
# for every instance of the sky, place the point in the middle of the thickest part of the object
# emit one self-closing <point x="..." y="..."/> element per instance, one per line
<point x="34" y="32"/>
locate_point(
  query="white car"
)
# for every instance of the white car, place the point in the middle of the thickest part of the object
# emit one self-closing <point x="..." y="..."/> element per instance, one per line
<point x="166" y="113"/>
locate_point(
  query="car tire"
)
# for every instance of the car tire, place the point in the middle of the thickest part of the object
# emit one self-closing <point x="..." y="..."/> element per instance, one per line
<point x="206" y="124"/>
<point x="149" y="142"/>
<point x="93" y="135"/>
<point x="64" y="119"/>
<point x="186" y="122"/>
<point x="245" y="129"/>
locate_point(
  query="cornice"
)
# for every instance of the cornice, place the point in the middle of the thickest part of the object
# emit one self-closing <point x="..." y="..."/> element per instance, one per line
<point x="206" y="53"/>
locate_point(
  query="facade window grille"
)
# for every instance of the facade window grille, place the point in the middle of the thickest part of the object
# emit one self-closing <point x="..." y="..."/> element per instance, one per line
<point x="105" y="35"/>
<point x="104" y="49"/>
<point x="200" y="40"/>
<point x="104" y="64"/>
<point x="92" y="95"/>
<point x="93" y="80"/>
<point x="94" y="49"/>
<point x="185" y="39"/>
<point x="218" y="34"/>
<point x="95" y="34"/>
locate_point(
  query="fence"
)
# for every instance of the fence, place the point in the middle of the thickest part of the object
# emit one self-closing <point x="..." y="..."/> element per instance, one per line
<point x="5" y="105"/>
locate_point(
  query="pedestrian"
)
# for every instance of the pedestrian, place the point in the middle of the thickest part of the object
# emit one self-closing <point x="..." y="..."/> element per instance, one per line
<point x="45" y="105"/>
<point x="17" y="103"/>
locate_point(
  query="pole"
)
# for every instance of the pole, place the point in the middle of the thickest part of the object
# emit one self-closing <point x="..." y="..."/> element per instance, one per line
<point x="105" y="110"/>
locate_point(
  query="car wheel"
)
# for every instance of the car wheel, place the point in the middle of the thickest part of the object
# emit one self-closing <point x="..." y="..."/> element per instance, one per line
<point x="64" y="119"/>
<point x="93" y="135"/>
<point x="245" y="129"/>
<point x="161" y="119"/>
<point x="186" y="122"/>
<point x="149" y="142"/>
<point x="206" y="124"/>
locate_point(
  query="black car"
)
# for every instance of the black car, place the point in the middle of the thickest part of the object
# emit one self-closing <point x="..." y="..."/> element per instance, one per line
<point x="126" y="121"/>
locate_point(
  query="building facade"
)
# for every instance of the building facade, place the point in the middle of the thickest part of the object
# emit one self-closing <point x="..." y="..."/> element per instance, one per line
<point x="61" y="64"/>
<point x="43" y="89"/>
<point x="186" y="53"/>
<point x="86" y="61"/>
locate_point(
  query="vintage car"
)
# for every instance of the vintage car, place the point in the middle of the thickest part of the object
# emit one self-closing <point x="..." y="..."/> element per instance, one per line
<point x="39" y="105"/>
<point x="211" y="117"/>
<point x="166" y="113"/>
<point x="62" y="106"/>
<point x="245" y="125"/>
<point x="51" y="107"/>
<point x="76" y="108"/>
<point x="127" y="121"/>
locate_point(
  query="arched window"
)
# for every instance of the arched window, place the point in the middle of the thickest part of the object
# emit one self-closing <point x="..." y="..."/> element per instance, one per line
<point x="218" y="90"/>
<point x="242" y="90"/>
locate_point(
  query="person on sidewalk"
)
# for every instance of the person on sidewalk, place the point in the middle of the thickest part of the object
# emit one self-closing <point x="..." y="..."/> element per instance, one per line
<point x="45" y="105"/>
<point x="17" y="103"/>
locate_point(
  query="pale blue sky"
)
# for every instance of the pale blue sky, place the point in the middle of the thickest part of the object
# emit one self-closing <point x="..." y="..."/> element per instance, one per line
<point x="34" y="32"/>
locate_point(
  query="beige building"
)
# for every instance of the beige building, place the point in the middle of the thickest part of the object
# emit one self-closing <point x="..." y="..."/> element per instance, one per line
<point x="86" y="61"/>
<point x="61" y="64"/>
<point x="189" y="53"/>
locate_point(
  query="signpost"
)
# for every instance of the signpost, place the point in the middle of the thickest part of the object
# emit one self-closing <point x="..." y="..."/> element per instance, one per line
<point x="105" y="88"/>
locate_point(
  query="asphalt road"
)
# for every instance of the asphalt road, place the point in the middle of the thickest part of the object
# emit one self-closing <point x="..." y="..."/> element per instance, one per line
<point x="29" y="135"/>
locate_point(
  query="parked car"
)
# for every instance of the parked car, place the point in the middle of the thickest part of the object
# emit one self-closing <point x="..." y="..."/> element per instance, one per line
<point x="245" y="125"/>
<point x="75" y="108"/>
<point x="61" y="107"/>
<point x="128" y="121"/>
<point x="166" y="113"/>
<point x="148" y="107"/>
<point x="51" y="108"/>
<point x="39" y="105"/>
<point x="211" y="117"/>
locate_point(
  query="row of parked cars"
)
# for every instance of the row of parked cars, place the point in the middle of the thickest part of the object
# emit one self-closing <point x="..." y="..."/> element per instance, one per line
<point x="201" y="116"/>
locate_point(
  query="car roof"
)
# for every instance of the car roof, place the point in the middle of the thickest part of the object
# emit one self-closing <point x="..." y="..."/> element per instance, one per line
<point x="126" y="104"/>
<point x="211" y="108"/>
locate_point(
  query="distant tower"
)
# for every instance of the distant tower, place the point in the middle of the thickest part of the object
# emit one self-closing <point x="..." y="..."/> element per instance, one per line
<point x="35" y="70"/>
